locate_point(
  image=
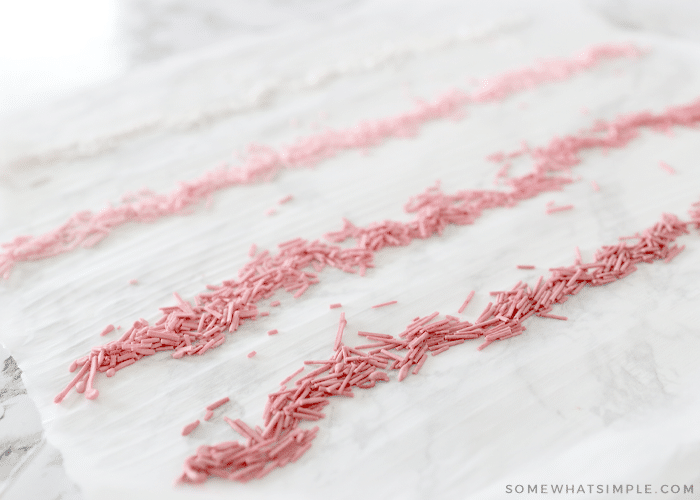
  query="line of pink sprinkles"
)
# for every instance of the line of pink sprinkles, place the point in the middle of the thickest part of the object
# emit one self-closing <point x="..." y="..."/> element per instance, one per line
<point x="194" y="329"/>
<point x="282" y="441"/>
<point x="85" y="229"/>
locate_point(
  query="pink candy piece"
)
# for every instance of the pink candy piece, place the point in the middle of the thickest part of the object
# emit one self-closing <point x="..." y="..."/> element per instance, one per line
<point x="108" y="329"/>
<point x="553" y="209"/>
<point x="466" y="302"/>
<point x="190" y="427"/>
<point x="379" y="376"/>
<point x="341" y="329"/>
<point x="251" y="354"/>
<point x="218" y="403"/>
<point x="668" y="168"/>
<point x="335" y="306"/>
<point x="384" y="304"/>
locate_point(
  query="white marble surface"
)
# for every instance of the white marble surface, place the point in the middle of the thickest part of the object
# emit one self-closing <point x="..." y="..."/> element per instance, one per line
<point x="609" y="397"/>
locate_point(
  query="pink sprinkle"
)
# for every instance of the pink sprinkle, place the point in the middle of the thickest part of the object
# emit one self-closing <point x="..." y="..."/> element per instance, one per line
<point x="341" y="329"/>
<point x="385" y="304"/>
<point x="273" y="332"/>
<point x="133" y="282"/>
<point x="498" y="156"/>
<point x="668" y="168"/>
<point x="553" y="316"/>
<point x="525" y="267"/>
<point x="253" y="250"/>
<point x="251" y="354"/>
<point x="553" y="209"/>
<point x="270" y="211"/>
<point x="466" y="302"/>
<point x="208" y="415"/>
<point x="274" y="303"/>
<point x="672" y="254"/>
<point x="404" y="371"/>
<point x="190" y="427"/>
<point x="595" y="186"/>
<point x="336" y="306"/>
<point x="218" y="403"/>
<point x="108" y="329"/>
<point x="74" y="383"/>
<point x="292" y="376"/>
<point x="377" y="376"/>
<point x="284" y="200"/>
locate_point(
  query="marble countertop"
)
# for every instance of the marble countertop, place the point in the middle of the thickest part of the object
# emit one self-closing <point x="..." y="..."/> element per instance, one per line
<point x="607" y="398"/>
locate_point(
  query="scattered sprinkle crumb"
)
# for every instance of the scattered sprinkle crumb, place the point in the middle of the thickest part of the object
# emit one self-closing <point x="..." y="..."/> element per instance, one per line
<point x="668" y="168"/>
<point x="385" y="304"/>
<point x="190" y="427"/>
<point x="553" y="209"/>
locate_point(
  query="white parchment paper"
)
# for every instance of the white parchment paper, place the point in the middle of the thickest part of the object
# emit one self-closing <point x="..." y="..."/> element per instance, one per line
<point x="607" y="397"/>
